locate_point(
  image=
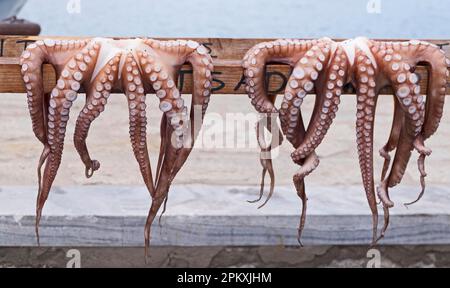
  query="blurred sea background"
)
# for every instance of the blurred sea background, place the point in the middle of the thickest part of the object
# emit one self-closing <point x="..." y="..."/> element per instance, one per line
<point x="243" y="18"/>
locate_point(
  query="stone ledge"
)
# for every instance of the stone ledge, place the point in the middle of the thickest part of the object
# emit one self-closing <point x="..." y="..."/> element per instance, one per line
<point x="200" y="215"/>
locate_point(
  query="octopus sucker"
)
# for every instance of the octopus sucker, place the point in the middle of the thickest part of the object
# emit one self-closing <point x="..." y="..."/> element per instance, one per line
<point x="99" y="65"/>
<point x="96" y="98"/>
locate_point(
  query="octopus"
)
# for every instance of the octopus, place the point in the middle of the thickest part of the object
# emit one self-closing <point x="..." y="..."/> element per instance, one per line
<point x="99" y="66"/>
<point x="325" y="67"/>
<point x="416" y="118"/>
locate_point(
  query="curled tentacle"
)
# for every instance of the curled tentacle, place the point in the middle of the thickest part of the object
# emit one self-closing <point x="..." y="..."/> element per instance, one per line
<point x="437" y="83"/>
<point x="268" y="122"/>
<point x="327" y="101"/>
<point x="301" y="81"/>
<point x="305" y="73"/>
<point x="254" y="64"/>
<point x="97" y="95"/>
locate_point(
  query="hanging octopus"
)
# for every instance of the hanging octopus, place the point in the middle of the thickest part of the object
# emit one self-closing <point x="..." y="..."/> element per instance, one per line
<point x="327" y="66"/>
<point x="135" y="66"/>
<point x="316" y="64"/>
<point x="416" y="117"/>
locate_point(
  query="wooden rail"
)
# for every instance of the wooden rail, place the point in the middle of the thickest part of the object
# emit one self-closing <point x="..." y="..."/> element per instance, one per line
<point x="226" y="53"/>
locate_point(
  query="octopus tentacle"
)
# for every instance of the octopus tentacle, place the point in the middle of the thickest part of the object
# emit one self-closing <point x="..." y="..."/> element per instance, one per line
<point x="134" y="90"/>
<point x="301" y="81"/>
<point x="328" y="100"/>
<point x="62" y="97"/>
<point x="267" y="122"/>
<point x="32" y="60"/>
<point x="158" y="74"/>
<point x="413" y="108"/>
<point x="395" y="68"/>
<point x="202" y="84"/>
<point x="254" y="63"/>
<point x="437" y="83"/>
<point x="162" y="147"/>
<point x="175" y="156"/>
<point x="160" y="77"/>
<point x="97" y="95"/>
<point x="310" y="164"/>
<point x="411" y="53"/>
<point x="394" y="136"/>
<point x="284" y="51"/>
<point x="201" y="62"/>
<point x="367" y="96"/>
<point x="423" y="174"/>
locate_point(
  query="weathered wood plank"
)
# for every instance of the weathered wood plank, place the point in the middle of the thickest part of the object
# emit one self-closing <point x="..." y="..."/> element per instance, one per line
<point x="226" y="53"/>
<point x="201" y="219"/>
<point x="227" y="78"/>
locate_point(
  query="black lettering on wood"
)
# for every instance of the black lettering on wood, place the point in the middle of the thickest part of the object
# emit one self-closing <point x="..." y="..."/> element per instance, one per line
<point x="181" y="78"/>
<point x="220" y="82"/>
<point x="209" y="49"/>
<point x="2" y="42"/>
<point x="25" y="43"/>
<point x="283" y="78"/>
<point x="240" y="83"/>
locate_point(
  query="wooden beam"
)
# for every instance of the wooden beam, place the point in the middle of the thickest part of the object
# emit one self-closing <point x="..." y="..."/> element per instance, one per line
<point x="226" y="53"/>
